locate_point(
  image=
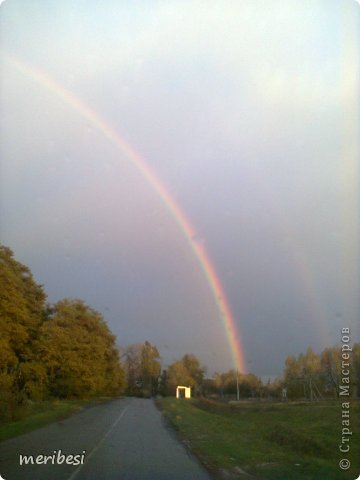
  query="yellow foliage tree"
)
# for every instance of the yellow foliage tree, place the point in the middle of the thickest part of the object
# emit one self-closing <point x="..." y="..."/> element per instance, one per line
<point x="79" y="352"/>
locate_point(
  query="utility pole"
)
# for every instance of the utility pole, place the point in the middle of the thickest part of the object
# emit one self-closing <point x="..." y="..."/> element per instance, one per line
<point x="237" y="385"/>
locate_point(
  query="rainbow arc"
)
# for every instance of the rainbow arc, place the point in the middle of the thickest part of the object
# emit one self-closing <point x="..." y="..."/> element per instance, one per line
<point x="184" y="224"/>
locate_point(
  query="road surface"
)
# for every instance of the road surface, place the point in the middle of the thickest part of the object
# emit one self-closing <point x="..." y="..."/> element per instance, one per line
<point x="124" y="439"/>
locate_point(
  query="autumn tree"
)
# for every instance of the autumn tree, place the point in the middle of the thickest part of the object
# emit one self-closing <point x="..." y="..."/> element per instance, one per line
<point x="355" y="369"/>
<point x="79" y="352"/>
<point x="311" y="373"/>
<point x="330" y="360"/>
<point x="22" y="303"/>
<point x="249" y="385"/>
<point x="187" y="372"/>
<point x="293" y="377"/>
<point x="132" y="359"/>
<point x="314" y="376"/>
<point x="196" y="371"/>
<point x="218" y="381"/>
<point x="178" y="374"/>
<point x="150" y="368"/>
<point x="273" y="388"/>
<point x="143" y="368"/>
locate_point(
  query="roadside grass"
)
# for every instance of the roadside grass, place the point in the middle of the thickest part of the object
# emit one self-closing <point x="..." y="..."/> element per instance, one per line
<point x="39" y="414"/>
<point x="270" y="441"/>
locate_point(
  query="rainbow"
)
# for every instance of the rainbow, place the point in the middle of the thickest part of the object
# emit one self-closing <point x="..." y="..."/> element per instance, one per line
<point x="153" y="179"/>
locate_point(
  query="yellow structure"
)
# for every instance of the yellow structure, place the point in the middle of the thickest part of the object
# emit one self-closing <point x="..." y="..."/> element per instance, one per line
<point x="183" y="392"/>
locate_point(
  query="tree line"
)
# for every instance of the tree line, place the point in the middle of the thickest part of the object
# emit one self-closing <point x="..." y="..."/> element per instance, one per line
<point x="66" y="350"/>
<point x="309" y="376"/>
<point x="316" y="376"/>
<point x="145" y="377"/>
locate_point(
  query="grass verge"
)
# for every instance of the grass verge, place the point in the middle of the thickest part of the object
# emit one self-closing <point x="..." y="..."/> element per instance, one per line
<point x="40" y="414"/>
<point x="267" y="441"/>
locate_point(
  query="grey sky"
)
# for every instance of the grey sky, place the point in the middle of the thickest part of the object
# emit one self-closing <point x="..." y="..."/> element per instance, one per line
<point x="246" y="110"/>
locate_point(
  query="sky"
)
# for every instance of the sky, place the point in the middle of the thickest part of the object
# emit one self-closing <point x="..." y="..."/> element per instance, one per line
<point x="145" y="145"/>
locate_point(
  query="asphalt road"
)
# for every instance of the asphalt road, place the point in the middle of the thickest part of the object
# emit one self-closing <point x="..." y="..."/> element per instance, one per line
<point x="122" y="440"/>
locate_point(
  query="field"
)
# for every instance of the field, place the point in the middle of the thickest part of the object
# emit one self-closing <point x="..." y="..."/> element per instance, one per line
<point x="270" y="441"/>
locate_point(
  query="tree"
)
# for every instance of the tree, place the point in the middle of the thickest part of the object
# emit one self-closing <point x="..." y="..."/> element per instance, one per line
<point x="195" y="370"/>
<point x="311" y="375"/>
<point x="187" y="372"/>
<point x="228" y="382"/>
<point x="330" y="360"/>
<point x="273" y="389"/>
<point x="22" y="303"/>
<point x="311" y="372"/>
<point x="250" y="385"/>
<point x="143" y="368"/>
<point x="132" y="359"/>
<point x="79" y="352"/>
<point x="293" y="377"/>
<point x="178" y="374"/>
<point x="150" y="368"/>
<point x="219" y="383"/>
<point x="355" y="370"/>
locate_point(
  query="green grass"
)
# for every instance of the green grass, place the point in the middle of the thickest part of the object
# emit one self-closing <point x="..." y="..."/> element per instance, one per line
<point x="40" y="414"/>
<point x="269" y="441"/>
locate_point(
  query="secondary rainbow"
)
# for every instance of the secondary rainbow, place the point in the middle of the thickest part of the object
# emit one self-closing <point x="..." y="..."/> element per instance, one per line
<point x="153" y="179"/>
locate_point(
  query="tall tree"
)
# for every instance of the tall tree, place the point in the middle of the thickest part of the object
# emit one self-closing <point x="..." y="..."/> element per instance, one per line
<point x="197" y="372"/>
<point x="79" y="352"/>
<point x="331" y="369"/>
<point x="311" y="371"/>
<point x="150" y="368"/>
<point x="293" y="377"/>
<point x="143" y="368"/>
<point x="132" y="360"/>
<point x="187" y="372"/>
<point x="22" y="303"/>
<point x="355" y="369"/>
<point x="219" y="383"/>
<point x="178" y="374"/>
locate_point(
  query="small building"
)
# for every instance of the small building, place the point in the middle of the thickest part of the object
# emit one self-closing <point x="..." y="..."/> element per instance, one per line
<point x="183" y="392"/>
